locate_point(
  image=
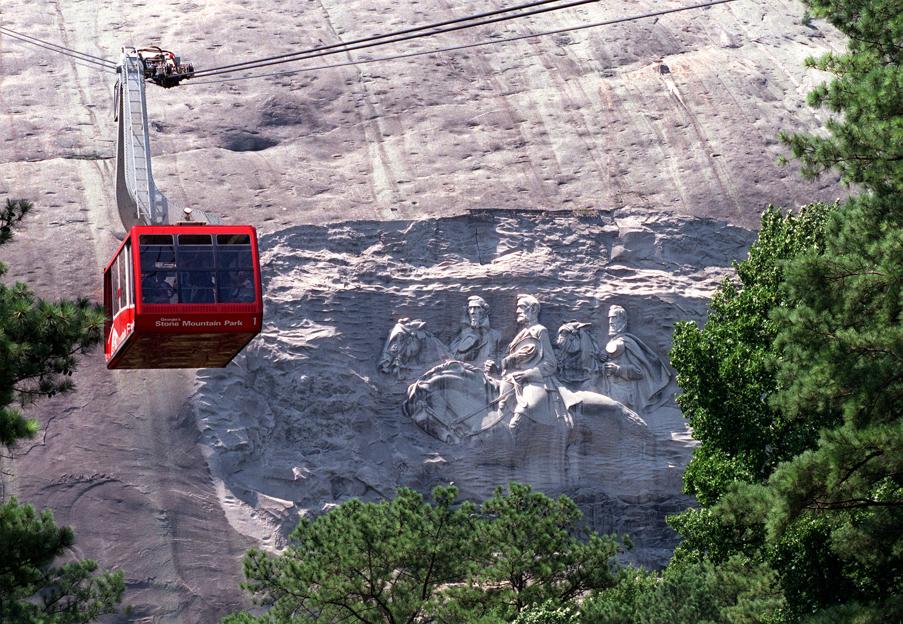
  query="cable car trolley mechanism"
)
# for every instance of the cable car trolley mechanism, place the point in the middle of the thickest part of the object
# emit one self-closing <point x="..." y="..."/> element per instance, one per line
<point x="182" y="290"/>
<point x="164" y="67"/>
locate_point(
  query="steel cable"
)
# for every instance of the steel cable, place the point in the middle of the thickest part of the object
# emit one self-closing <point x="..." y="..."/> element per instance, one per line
<point x="347" y="47"/>
<point x="245" y="64"/>
<point x="82" y="56"/>
<point x="467" y="46"/>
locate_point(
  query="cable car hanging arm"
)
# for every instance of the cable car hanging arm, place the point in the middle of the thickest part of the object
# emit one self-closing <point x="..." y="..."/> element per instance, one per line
<point x="139" y="200"/>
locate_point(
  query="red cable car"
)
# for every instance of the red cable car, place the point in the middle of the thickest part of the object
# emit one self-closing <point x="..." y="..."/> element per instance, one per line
<point x="180" y="296"/>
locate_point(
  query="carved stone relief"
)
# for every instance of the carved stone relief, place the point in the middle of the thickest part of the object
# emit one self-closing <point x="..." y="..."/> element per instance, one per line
<point x="554" y="387"/>
<point x="477" y="342"/>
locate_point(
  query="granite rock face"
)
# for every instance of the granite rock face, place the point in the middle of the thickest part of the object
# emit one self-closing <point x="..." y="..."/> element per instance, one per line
<point x="305" y="418"/>
<point x="656" y="137"/>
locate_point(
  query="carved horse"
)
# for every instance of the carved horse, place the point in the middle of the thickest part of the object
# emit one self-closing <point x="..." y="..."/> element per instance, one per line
<point x="577" y="353"/>
<point x="454" y="401"/>
<point x="410" y="346"/>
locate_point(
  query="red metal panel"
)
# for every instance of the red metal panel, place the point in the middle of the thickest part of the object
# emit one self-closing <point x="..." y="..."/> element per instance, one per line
<point x="180" y="335"/>
<point x="179" y="350"/>
<point x="122" y="327"/>
<point x="175" y="320"/>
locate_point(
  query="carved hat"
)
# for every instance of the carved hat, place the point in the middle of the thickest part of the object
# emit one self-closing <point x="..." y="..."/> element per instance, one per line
<point x="476" y="301"/>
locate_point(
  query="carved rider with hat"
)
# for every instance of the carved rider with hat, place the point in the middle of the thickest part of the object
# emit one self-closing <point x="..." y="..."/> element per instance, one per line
<point x="529" y="368"/>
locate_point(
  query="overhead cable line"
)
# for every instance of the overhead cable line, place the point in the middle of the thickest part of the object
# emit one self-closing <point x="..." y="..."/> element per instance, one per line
<point x="348" y="47"/>
<point x="395" y="57"/>
<point x="78" y="61"/>
<point x="370" y="38"/>
<point x="60" y="48"/>
<point x="75" y="54"/>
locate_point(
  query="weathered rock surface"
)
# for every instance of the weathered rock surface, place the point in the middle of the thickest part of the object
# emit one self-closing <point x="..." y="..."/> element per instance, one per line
<point x="305" y="419"/>
<point x="665" y="126"/>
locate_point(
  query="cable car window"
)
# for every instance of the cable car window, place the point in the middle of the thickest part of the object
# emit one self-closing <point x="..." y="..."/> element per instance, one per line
<point x="159" y="287"/>
<point x="122" y="281"/>
<point x="196" y="269"/>
<point x="235" y="268"/>
<point x="157" y="252"/>
<point x="158" y="268"/>
<point x="195" y="239"/>
<point x="155" y="239"/>
<point x="195" y="258"/>
<point x="233" y="239"/>
<point x="196" y="287"/>
<point x="234" y="258"/>
<point x="114" y="283"/>
<point x="129" y="277"/>
<point x="235" y="286"/>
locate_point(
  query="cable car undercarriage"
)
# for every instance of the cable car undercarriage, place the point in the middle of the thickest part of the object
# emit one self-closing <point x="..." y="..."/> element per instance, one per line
<point x="164" y="67"/>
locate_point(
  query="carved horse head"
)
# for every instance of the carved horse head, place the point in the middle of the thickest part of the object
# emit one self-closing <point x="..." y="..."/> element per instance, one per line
<point x="576" y="351"/>
<point x="409" y="344"/>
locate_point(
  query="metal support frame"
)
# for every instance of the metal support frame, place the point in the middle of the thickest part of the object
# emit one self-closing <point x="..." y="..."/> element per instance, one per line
<point x="137" y="197"/>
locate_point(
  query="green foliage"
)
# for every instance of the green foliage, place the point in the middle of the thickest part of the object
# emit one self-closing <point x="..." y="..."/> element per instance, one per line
<point x="408" y="560"/>
<point x="38" y="345"/>
<point x="10" y="214"/>
<point x="536" y="553"/>
<point x="842" y="347"/>
<point x="548" y="613"/>
<point x="865" y="144"/>
<point x="738" y="591"/>
<point x="32" y="590"/>
<point x="725" y="369"/>
<point x="809" y="477"/>
<point x="842" y="343"/>
<point x="371" y="562"/>
<point x="755" y="399"/>
<point x="39" y="341"/>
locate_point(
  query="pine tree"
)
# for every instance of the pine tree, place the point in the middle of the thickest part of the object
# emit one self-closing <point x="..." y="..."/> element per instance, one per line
<point x="367" y="562"/>
<point x="536" y="551"/>
<point x="412" y="560"/>
<point x="826" y="513"/>
<point x="842" y="343"/>
<point x="864" y="140"/>
<point x="735" y="591"/>
<point x="39" y="342"/>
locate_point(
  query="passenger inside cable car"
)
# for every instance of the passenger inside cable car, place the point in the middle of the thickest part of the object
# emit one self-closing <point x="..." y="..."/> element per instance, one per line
<point x="156" y="288"/>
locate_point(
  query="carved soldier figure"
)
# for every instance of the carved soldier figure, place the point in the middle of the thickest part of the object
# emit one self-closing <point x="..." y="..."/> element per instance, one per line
<point x="528" y="369"/>
<point x="632" y="373"/>
<point x="477" y="342"/>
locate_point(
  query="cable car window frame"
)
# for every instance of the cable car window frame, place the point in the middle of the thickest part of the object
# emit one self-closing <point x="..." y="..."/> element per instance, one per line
<point x="114" y="286"/>
<point x="129" y="274"/>
<point x="188" y="240"/>
<point x="231" y="286"/>
<point x="233" y="239"/>
<point x="197" y="277"/>
<point x="161" y="250"/>
<point x="222" y="267"/>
